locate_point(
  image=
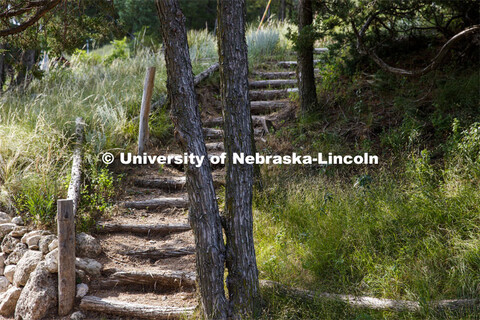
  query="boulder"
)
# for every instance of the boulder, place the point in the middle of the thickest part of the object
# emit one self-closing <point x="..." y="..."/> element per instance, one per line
<point x="6" y="228"/>
<point x="18" y="232"/>
<point x="90" y="266"/>
<point x="25" y="266"/>
<point x="4" y="283"/>
<point x="8" y="301"/>
<point x="18" y="221"/>
<point x="51" y="261"/>
<point x="38" y="296"/>
<point x="82" y="290"/>
<point x="4" y="218"/>
<point x="54" y="245"/>
<point x="87" y="246"/>
<point x="9" y="272"/>
<point x="34" y="234"/>
<point x="45" y="242"/>
<point x="17" y="254"/>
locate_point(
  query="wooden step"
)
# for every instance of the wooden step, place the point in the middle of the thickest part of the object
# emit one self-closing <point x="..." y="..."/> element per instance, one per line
<point x="215" y="146"/>
<point x="160" y="229"/>
<point x="178" y="183"/>
<point x="161" y="280"/>
<point x="162" y="253"/>
<point x="143" y="311"/>
<point x="290" y="64"/>
<point x="210" y="133"/>
<point x="320" y="50"/>
<point x="218" y="121"/>
<point x="256" y="95"/>
<point x="272" y="83"/>
<point x="157" y="203"/>
<point x="274" y="75"/>
<point x="261" y="107"/>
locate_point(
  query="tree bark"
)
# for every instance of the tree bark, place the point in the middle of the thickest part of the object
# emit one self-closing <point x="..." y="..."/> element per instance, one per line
<point x="242" y="280"/>
<point x="204" y="214"/>
<point x="282" y="10"/>
<point x="306" y="73"/>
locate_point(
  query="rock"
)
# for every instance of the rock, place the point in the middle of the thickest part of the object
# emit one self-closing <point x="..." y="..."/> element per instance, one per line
<point x="51" y="261"/>
<point x="45" y="242"/>
<point x="34" y="233"/>
<point x="78" y="315"/>
<point x="87" y="246"/>
<point x="54" y="245"/>
<point x="18" y="232"/>
<point x="80" y="275"/>
<point x="32" y="242"/>
<point x="4" y="283"/>
<point x="82" y="290"/>
<point x="8" y="244"/>
<point x="2" y="259"/>
<point x="18" y="221"/>
<point x="25" y="266"/>
<point x="17" y="254"/>
<point x="6" y="228"/>
<point x="8" y="301"/>
<point x="4" y="218"/>
<point x="90" y="266"/>
<point x="38" y="296"/>
<point x="9" y="272"/>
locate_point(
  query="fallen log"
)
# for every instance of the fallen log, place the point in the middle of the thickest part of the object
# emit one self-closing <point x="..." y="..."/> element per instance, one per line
<point x="215" y="146"/>
<point x="368" y="302"/>
<point x="160" y="229"/>
<point x="206" y="73"/>
<point x="275" y="75"/>
<point x="126" y="309"/>
<point x="157" y="203"/>
<point x="161" y="254"/>
<point x="272" y="83"/>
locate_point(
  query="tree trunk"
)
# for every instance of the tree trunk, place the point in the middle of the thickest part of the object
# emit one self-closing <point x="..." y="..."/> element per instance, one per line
<point x="204" y="214"/>
<point x="2" y="66"/>
<point x="27" y="62"/>
<point x="282" y="10"/>
<point x="242" y="280"/>
<point x="306" y="73"/>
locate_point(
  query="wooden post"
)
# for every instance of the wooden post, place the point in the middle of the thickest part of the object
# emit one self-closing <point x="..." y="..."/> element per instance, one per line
<point x="66" y="256"/>
<point x="145" y="110"/>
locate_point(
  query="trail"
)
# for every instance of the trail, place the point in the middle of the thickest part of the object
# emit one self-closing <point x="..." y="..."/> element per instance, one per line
<point x="149" y="248"/>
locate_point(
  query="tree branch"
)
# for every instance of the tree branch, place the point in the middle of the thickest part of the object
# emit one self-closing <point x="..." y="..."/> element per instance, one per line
<point x="433" y="64"/>
<point x="40" y="13"/>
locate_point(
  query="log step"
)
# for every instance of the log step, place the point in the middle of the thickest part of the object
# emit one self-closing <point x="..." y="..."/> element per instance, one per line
<point x="178" y="183"/>
<point x="215" y="146"/>
<point x="160" y="279"/>
<point x="157" y="203"/>
<point x="273" y="83"/>
<point x="259" y="107"/>
<point x="275" y="75"/>
<point x="320" y="50"/>
<point x="135" y="310"/>
<point x="161" y="229"/>
<point x="160" y="253"/>
<point x="210" y="133"/>
<point x="256" y="95"/>
<point x="289" y="64"/>
<point x="218" y="121"/>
